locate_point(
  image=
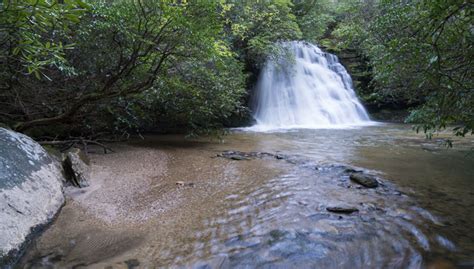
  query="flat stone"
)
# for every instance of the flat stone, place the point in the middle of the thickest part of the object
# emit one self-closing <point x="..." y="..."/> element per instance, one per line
<point x="341" y="209"/>
<point x="365" y="180"/>
<point x="239" y="155"/>
<point x="235" y="155"/>
<point x="237" y="158"/>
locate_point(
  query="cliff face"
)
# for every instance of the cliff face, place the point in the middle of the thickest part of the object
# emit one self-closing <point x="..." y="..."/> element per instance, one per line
<point x="361" y="73"/>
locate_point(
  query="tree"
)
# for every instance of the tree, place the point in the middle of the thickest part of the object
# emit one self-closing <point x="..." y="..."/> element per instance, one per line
<point x="256" y="27"/>
<point x="421" y="52"/>
<point x="315" y="18"/>
<point x="31" y="38"/>
<point x="121" y="49"/>
<point x="31" y="32"/>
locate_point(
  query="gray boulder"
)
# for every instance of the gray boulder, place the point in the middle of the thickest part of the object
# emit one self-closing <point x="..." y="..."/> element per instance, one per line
<point x="76" y="168"/>
<point x="31" y="191"/>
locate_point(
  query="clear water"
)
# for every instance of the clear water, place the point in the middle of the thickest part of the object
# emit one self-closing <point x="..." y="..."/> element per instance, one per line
<point x="271" y="213"/>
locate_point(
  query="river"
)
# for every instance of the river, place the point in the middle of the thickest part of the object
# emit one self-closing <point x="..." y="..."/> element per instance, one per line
<point x="168" y="202"/>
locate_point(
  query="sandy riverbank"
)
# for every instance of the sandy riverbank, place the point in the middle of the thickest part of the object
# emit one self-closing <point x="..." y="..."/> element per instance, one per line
<point x="134" y="204"/>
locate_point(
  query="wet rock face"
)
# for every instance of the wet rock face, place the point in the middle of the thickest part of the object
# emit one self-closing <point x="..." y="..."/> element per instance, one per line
<point x="30" y="191"/>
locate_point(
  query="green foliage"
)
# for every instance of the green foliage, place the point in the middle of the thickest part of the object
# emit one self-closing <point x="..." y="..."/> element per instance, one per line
<point x="130" y="64"/>
<point x="256" y="27"/>
<point x="127" y="57"/>
<point x="32" y="33"/>
<point x="314" y="18"/>
<point x="421" y="52"/>
<point x="202" y="93"/>
<point x="199" y="83"/>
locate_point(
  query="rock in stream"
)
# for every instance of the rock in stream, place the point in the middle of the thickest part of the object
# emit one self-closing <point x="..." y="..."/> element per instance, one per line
<point x="76" y="168"/>
<point x="365" y="180"/>
<point x="342" y="209"/>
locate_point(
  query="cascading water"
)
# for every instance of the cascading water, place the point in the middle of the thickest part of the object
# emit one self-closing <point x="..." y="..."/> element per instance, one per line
<point x="313" y="91"/>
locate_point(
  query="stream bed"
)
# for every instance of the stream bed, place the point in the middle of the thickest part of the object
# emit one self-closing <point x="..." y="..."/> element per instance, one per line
<point x="167" y="202"/>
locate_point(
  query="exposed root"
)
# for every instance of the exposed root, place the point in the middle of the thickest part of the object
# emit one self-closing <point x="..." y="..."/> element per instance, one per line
<point x="67" y="144"/>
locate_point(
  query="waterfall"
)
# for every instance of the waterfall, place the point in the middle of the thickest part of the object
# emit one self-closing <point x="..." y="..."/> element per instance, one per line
<point x="312" y="90"/>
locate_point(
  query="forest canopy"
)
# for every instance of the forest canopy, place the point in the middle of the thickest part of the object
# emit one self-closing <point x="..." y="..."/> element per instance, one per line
<point x="82" y="68"/>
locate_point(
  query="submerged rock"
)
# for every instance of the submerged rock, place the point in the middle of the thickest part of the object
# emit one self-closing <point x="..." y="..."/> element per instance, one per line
<point x="132" y="263"/>
<point x="279" y="157"/>
<point x="184" y="184"/>
<point x="237" y="157"/>
<point x="365" y="180"/>
<point x="76" y="168"/>
<point x="30" y="191"/>
<point x="341" y="209"/>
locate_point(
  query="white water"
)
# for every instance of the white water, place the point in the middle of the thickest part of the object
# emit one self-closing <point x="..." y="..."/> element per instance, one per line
<point x="313" y="91"/>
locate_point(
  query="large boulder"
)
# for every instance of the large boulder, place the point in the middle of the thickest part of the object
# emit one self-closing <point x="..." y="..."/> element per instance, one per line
<point x="31" y="191"/>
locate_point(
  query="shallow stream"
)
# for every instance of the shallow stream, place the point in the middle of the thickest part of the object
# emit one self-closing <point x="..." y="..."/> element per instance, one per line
<point x="270" y="212"/>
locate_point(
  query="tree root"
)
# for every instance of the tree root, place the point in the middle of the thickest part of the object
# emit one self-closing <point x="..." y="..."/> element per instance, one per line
<point x="67" y="144"/>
